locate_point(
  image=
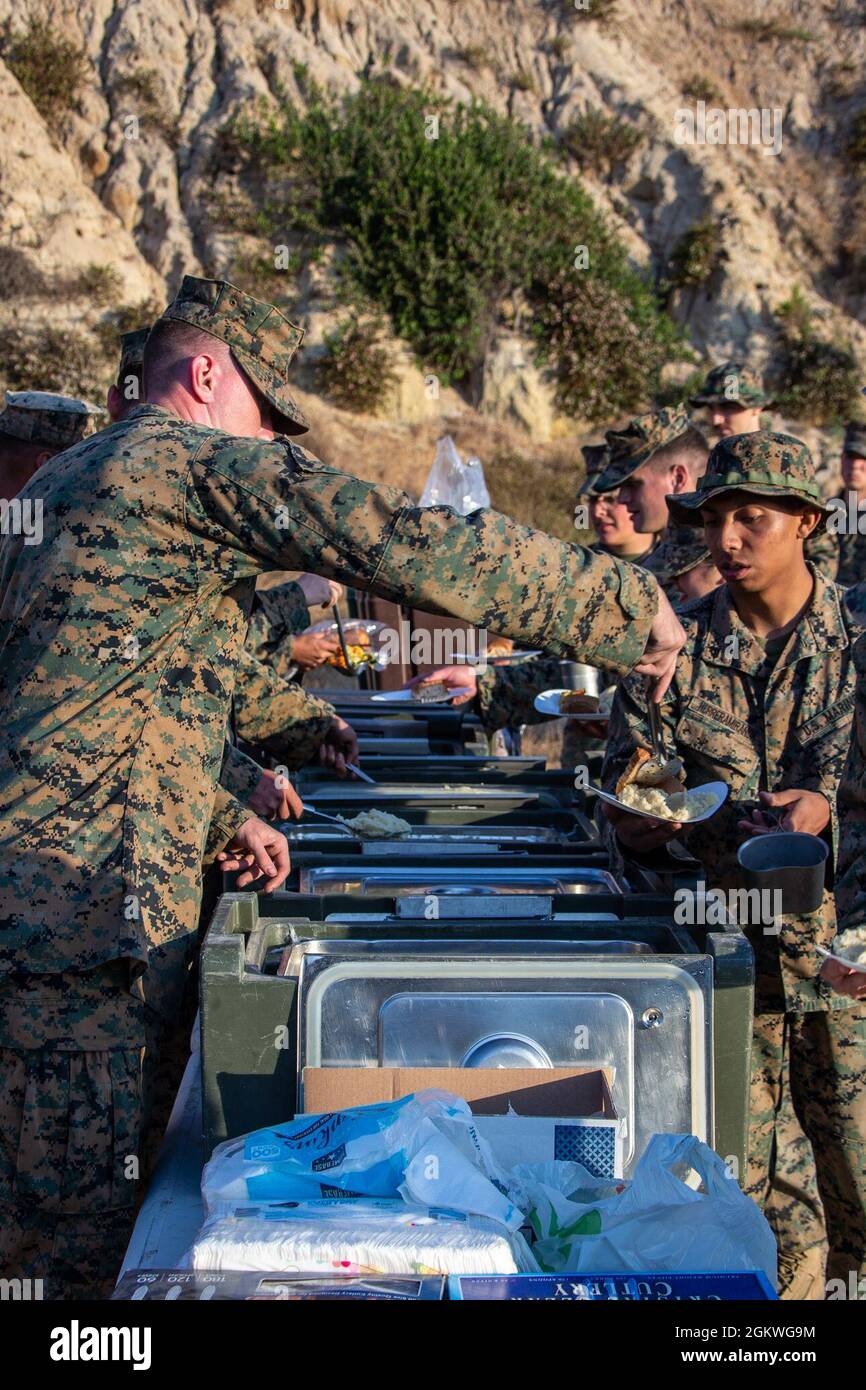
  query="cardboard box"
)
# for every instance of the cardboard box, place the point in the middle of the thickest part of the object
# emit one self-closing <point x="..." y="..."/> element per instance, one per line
<point x="561" y="1113"/>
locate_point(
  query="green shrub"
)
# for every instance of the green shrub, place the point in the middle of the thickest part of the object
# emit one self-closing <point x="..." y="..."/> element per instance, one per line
<point x="820" y="381"/>
<point x="101" y="284"/>
<point x="522" y="81"/>
<point x="600" y="11"/>
<point x="696" y="255"/>
<point x="438" y="232"/>
<point x="125" y="319"/>
<point x="764" y="30"/>
<point x="52" y="359"/>
<point x="355" y="371"/>
<point x="702" y="89"/>
<point x="856" y="147"/>
<point x="147" y="99"/>
<point x="474" y="56"/>
<point x="600" y="142"/>
<point x="20" y="276"/>
<point x="51" y="68"/>
<point x="559" y="46"/>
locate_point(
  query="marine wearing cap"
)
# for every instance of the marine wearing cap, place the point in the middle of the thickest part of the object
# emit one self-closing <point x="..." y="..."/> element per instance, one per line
<point x="629" y="448"/>
<point x="262" y="340"/>
<point x="732" y="383"/>
<point x="41" y="417"/>
<point x="35" y="426"/>
<point x="762" y="463"/>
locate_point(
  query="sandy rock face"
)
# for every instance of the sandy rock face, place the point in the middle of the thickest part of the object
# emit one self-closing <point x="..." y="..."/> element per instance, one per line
<point x="126" y="179"/>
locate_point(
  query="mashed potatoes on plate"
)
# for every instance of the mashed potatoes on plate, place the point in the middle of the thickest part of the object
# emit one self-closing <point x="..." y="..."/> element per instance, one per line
<point x="679" y="806"/>
<point x="851" y="944"/>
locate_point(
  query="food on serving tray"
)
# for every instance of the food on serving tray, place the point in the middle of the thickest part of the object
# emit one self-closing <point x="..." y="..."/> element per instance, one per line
<point x="500" y="646"/>
<point x="376" y="825"/>
<point x="577" y="702"/>
<point x="358" y="656"/>
<point x="428" y="692"/>
<point x="851" y="944"/>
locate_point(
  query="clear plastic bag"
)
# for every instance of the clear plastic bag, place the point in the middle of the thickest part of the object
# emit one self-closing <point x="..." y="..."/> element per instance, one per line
<point x="658" y="1222"/>
<point x="423" y="1147"/>
<point x="453" y="483"/>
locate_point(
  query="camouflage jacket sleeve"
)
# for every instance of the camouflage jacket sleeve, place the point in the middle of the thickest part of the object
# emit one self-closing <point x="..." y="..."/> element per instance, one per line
<point x="850" y="885"/>
<point x="277" y="506"/>
<point x="278" y="614"/>
<point x="506" y="693"/>
<point x="278" y="716"/>
<point x="823" y="551"/>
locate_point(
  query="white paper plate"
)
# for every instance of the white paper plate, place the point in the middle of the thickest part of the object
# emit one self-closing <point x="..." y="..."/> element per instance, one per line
<point x="406" y="697"/>
<point x="858" y="965"/>
<point x="548" y="703"/>
<point x="719" y="789"/>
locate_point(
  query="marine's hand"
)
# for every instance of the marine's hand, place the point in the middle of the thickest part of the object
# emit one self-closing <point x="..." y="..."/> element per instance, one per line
<point x="639" y="833"/>
<point x="843" y="980"/>
<point x="339" y="746"/>
<point x="274" y="798"/>
<point x="320" y="592"/>
<point x="462" y="678"/>
<point x="663" y="646"/>
<point x="260" y="852"/>
<point x="808" y="812"/>
<point x="311" y="649"/>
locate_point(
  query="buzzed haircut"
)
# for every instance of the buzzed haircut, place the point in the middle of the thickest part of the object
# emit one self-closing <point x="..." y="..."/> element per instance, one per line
<point x="171" y="342"/>
<point x="689" y="448"/>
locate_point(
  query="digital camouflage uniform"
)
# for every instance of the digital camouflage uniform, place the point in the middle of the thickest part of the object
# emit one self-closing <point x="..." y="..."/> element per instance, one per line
<point x="263" y="708"/>
<point x="506" y="694"/>
<point x="278" y="615"/>
<point x="119" y="640"/>
<point x="734" y="717"/>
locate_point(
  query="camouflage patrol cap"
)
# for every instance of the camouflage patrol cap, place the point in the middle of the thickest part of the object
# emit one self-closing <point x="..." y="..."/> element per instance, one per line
<point x="630" y="448"/>
<point x="763" y="463"/>
<point x="132" y="353"/>
<point x="41" y="417"/>
<point x="595" y="457"/>
<point x="732" y="383"/>
<point x="855" y="439"/>
<point x="261" y="338"/>
<point x="680" y="550"/>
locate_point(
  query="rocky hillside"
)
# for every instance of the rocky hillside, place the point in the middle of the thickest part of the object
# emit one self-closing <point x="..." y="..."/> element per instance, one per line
<point x="110" y="186"/>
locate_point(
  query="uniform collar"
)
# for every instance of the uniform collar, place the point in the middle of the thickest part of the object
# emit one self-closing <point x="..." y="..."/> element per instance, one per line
<point x="821" y="629"/>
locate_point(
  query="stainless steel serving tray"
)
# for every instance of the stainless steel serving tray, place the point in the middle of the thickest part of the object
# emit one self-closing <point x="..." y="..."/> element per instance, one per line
<point x="486" y="881"/>
<point x="646" y="1018"/>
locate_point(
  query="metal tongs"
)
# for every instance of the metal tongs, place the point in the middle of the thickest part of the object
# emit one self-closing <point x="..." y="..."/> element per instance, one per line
<point x="655" y="723"/>
<point x="350" y="670"/>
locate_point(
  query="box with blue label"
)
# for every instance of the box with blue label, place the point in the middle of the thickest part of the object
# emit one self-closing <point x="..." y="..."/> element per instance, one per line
<point x="526" y="1115"/>
<point x="747" y="1286"/>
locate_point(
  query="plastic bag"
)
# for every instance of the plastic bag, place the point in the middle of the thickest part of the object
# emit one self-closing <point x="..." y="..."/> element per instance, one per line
<point x="366" y="1152"/>
<point x="656" y="1223"/>
<point x="453" y="483"/>
<point x="358" y="1237"/>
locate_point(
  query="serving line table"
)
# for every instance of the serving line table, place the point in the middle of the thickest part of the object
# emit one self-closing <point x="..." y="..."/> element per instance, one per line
<point x="172" y="1211"/>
